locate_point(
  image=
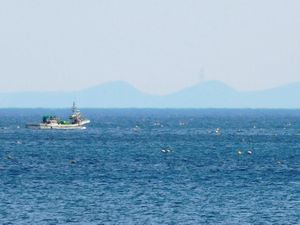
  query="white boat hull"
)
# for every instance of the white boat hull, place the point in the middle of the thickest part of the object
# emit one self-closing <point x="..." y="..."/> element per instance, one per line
<point x="58" y="126"/>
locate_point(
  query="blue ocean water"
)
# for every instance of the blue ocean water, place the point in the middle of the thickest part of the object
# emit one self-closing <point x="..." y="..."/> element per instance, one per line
<point x="152" y="167"/>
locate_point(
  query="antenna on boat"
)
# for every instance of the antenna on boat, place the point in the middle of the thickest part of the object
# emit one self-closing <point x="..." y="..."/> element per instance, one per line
<point x="74" y="107"/>
<point x="75" y="110"/>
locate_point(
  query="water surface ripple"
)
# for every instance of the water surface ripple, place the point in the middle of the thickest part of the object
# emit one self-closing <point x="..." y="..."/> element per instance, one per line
<point x="152" y="167"/>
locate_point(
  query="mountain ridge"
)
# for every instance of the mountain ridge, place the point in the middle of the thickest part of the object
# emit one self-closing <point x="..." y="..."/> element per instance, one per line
<point x="120" y="94"/>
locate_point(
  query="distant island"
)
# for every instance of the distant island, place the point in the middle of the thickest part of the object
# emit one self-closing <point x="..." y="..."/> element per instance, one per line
<point x="119" y="94"/>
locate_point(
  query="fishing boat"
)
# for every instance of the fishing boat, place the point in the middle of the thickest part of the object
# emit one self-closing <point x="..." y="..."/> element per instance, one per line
<point x="76" y="121"/>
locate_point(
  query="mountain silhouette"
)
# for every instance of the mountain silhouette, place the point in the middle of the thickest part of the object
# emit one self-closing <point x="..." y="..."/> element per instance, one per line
<point x="119" y="94"/>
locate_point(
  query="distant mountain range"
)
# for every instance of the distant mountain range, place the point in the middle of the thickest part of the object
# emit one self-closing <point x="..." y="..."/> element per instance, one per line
<point x="209" y="94"/>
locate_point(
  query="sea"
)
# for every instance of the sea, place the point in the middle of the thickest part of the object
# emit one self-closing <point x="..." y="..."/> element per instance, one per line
<point x="152" y="166"/>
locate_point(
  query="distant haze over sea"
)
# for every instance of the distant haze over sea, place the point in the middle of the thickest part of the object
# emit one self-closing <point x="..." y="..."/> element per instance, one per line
<point x="119" y="94"/>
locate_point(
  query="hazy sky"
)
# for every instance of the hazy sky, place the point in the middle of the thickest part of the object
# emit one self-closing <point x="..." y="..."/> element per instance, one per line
<point x="159" y="46"/>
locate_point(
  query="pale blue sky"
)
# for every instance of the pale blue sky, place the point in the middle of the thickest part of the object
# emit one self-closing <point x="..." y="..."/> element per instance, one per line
<point x="159" y="46"/>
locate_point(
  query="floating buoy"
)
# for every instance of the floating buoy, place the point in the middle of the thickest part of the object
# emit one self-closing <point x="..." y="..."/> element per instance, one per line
<point x="157" y="124"/>
<point x="166" y="150"/>
<point x="239" y="152"/>
<point x="181" y="124"/>
<point x="249" y="152"/>
<point x="136" y="128"/>
<point x="73" y="161"/>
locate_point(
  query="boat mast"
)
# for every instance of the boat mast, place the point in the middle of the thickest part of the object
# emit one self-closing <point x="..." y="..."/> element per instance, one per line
<point x="75" y="110"/>
<point x="75" y="117"/>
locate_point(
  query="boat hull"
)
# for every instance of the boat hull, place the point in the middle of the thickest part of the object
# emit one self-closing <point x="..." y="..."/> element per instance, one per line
<point x="50" y="126"/>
